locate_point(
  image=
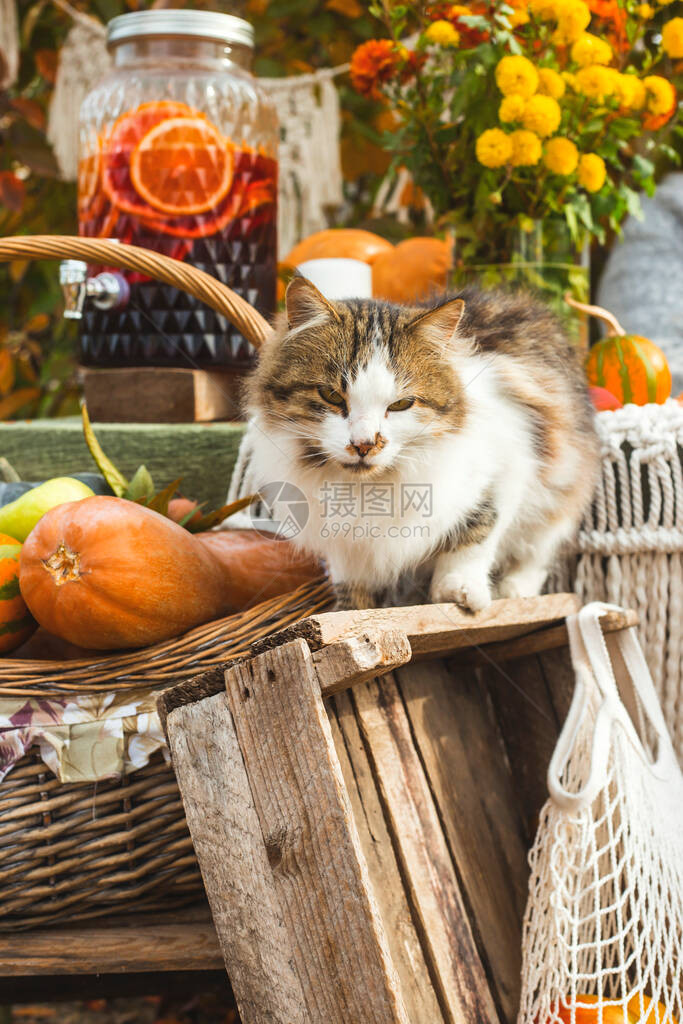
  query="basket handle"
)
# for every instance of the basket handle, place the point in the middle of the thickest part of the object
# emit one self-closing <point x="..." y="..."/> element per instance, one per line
<point x="187" y="278"/>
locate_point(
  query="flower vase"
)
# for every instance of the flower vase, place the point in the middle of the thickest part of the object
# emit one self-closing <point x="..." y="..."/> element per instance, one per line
<point x="539" y="256"/>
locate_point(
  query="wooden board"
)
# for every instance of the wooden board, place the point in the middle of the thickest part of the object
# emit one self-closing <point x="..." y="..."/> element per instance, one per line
<point x="182" y="941"/>
<point x="234" y="863"/>
<point x="464" y="759"/>
<point x="433" y="629"/>
<point x="385" y="873"/>
<point x="320" y="876"/>
<point x="157" y="394"/>
<point x="427" y="867"/>
<point x="202" y="454"/>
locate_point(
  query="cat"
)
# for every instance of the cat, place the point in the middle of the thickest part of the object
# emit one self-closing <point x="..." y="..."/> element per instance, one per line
<point x="452" y="444"/>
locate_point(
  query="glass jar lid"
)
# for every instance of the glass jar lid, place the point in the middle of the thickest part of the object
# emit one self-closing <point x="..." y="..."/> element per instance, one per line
<point x="199" y="24"/>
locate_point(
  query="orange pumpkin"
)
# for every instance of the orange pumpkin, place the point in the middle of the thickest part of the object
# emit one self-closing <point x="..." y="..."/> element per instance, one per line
<point x="343" y="243"/>
<point x="16" y="623"/>
<point x="612" y="1014"/>
<point x="259" y="567"/>
<point x="414" y="270"/>
<point x="633" y="368"/>
<point x="105" y="573"/>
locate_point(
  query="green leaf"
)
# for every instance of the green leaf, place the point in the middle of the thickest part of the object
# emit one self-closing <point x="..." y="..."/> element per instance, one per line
<point x="159" y="503"/>
<point x="212" y="519"/>
<point x="141" y="486"/>
<point x="111" y="474"/>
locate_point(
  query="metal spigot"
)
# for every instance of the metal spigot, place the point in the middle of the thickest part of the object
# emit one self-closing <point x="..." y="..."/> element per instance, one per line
<point x="107" y="290"/>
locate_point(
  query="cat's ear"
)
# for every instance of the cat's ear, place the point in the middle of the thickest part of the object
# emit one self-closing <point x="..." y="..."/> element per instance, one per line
<point x="442" y="321"/>
<point x="304" y="303"/>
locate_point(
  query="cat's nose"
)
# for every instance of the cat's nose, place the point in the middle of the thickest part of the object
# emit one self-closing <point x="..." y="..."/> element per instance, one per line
<point x="363" y="447"/>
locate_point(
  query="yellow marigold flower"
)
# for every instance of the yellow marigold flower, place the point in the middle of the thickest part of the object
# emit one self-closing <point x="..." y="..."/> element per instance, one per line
<point x="516" y="76"/>
<point x="573" y="18"/>
<point x="526" y="148"/>
<point x="543" y="9"/>
<point x="520" y="15"/>
<point x="672" y="37"/>
<point x="494" y="148"/>
<point x="550" y="83"/>
<point x="629" y="90"/>
<point x="645" y="11"/>
<point x="561" y="155"/>
<point x="589" y="49"/>
<point x="595" y="82"/>
<point x="542" y="115"/>
<point x="660" y="94"/>
<point x="442" y="33"/>
<point x="459" y="11"/>
<point x="592" y="172"/>
<point x="511" y="109"/>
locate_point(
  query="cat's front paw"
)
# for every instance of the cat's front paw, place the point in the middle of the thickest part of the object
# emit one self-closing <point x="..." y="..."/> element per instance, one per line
<point x="472" y="593"/>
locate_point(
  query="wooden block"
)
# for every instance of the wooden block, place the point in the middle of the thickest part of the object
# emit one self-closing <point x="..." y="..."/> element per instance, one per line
<point x="359" y="659"/>
<point x="432" y="629"/>
<point x="377" y="844"/>
<point x="464" y="759"/>
<point x="159" y="394"/>
<point x="426" y="863"/>
<point x="234" y="862"/>
<point x="202" y="454"/>
<point x="182" y="941"/>
<point x="320" y="875"/>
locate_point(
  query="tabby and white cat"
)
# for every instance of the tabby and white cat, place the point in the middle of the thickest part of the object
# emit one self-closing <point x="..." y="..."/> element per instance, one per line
<point x="453" y="443"/>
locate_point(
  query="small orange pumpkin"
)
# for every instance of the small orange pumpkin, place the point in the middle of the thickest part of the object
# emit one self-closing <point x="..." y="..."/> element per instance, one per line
<point x="414" y="270"/>
<point x="633" y="368"/>
<point x="16" y="622"/>
<point x="341" y="243"/>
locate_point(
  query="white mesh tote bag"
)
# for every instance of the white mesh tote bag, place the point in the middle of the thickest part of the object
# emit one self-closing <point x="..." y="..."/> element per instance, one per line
<point x="603" y="931"/>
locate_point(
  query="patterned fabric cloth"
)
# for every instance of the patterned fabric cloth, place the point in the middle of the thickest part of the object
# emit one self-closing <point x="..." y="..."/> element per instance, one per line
<point x="82" y="738"/>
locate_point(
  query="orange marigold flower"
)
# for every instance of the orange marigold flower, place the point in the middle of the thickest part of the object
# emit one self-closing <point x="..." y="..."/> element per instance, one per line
<point x="374" y="63"/>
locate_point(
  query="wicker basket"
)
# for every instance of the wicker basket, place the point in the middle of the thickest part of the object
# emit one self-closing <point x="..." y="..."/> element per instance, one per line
<point x="84" y="850"/>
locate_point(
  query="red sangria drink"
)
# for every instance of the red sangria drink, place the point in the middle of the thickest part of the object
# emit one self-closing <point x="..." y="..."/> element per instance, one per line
<point x="196" y="181"/>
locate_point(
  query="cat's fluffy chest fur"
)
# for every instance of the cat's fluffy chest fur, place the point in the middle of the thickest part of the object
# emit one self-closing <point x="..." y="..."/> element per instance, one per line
<point x="479" y="461"/>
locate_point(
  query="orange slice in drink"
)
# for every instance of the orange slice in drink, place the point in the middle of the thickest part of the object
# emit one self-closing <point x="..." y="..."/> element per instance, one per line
<point x="182" y="166"/>
<point x="122" y="139"/>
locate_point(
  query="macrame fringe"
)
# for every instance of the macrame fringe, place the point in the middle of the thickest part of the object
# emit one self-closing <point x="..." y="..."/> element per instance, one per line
<point x="310" y="175"/>
<point x="9" y="43"/>
<point x="83" y="61"/>
<point x="629" y="550"/>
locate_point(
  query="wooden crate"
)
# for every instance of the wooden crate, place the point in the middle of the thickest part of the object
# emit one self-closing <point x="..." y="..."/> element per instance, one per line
<point x="363" y="840"/>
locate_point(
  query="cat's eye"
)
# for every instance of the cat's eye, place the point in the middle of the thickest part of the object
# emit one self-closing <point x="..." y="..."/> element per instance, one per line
<point x="403" y="403"/>
<point x="331" y="396"/>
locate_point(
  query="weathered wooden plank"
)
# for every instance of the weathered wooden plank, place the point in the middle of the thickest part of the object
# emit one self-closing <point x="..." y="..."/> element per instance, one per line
<point x="547" y="639"/>
<point x="417" y="990"/>
<point x="232" y="856"/>
<point x="529" y="726"/>
<point x="202" y="454"/>
<point x="432" y="629"/>
<point x="360" y="658"/>
<point x="182" y="941"/>
<point x="162" y="394"/>
<point x="463" y="755"/>
<point x="425" y="859"/>
<point x="321" y="878"/>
